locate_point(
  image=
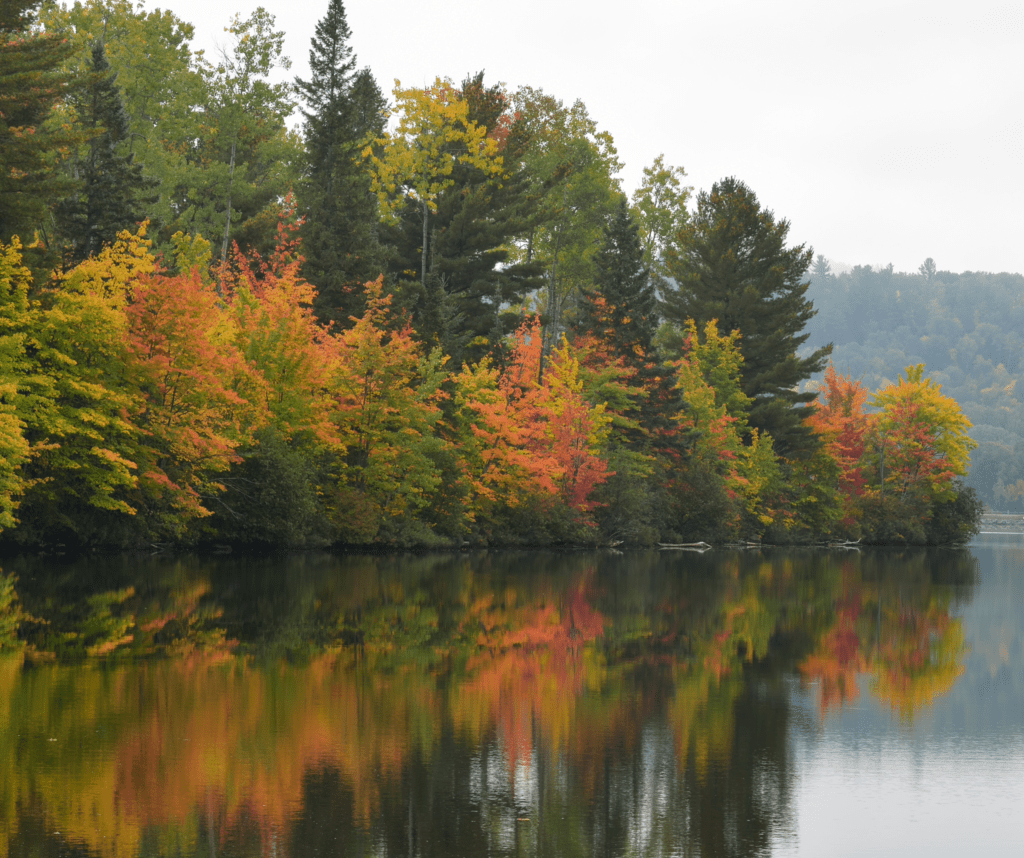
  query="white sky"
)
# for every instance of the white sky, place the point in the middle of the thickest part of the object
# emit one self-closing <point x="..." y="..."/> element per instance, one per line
<point x="883" y="131"/>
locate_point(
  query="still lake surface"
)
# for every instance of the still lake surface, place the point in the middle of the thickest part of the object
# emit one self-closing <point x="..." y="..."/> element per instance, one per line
<point x="774" y="702"/>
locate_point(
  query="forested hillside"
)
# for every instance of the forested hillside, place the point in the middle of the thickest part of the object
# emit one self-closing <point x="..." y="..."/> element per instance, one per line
<point x="968" y="330"/>
<point x="433" y="318"/>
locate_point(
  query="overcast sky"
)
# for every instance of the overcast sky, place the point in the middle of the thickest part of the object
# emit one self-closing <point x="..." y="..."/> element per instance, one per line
<point x="883" y="131"/>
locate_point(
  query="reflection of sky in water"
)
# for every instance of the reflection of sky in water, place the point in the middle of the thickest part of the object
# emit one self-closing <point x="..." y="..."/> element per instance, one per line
<point x="951" y="782"/>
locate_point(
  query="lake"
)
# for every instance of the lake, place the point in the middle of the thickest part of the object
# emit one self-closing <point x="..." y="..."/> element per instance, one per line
<point x="732" y="703"/>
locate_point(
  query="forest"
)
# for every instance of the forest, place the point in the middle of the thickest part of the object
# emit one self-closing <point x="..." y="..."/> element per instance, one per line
<point x="965" y="327"/>
<point x="430" y="319"/>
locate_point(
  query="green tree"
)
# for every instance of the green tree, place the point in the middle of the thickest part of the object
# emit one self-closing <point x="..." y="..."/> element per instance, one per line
<point x="821" y="267"/>
<point x="32" y="84"/>
<point x="731" y="263"/>
<point x="163" y="87"/>
<point x="477" y="284"/>
<point x="659" y="208"/>
<point x="623" y="306"/>
<point x="114" y="190"/>
<point x="573" y="166"/>
<point x="246" y="154"/>
<point x="343" y="108"/>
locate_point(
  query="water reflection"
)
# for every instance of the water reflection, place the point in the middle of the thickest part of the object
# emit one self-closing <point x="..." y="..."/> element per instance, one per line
<point x="512" y="704"/>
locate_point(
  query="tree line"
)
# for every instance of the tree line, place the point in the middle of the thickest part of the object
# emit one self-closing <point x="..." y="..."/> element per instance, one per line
<point x="427" y="321"/>
<point x="965" y="326"/>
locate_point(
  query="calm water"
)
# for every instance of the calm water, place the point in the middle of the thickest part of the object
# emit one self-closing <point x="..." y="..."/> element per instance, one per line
<point x="776" y="703"/>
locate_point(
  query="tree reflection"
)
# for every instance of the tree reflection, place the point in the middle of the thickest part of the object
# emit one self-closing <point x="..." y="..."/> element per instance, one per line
<point x="513" y="704"/>
<point x="894" y="624"/>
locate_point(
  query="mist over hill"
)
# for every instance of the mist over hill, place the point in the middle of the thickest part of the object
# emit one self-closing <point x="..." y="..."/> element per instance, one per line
<point x="967" y="330"/>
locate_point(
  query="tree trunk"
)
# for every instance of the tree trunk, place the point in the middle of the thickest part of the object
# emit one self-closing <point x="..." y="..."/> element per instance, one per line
<point x="423" y="258"/>
<point x="227" y="223"/>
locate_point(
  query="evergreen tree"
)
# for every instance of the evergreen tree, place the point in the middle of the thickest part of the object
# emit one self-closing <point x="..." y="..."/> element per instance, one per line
<point x="114" y="189"/>
<point x="472" y="281"/>
<point x="624" y="306"/>
<point x="731" y="263"/>
<point x="31" y="85"/>
<point x="821" y="267"/>
<point x="343" y="108"/>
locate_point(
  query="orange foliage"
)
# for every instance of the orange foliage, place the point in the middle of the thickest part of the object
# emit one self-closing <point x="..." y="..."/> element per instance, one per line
<point x="184" y="359"/>
<point x="528" y="438"/>
<point x="840" y="420"/>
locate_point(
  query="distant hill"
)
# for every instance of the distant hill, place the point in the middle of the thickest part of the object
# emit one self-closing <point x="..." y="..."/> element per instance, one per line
<point x="968" y="330"/>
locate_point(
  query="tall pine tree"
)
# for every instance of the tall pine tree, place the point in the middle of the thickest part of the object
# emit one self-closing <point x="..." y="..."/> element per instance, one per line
<point x="114" y="189"/>
<point x="623" y="308"/>
<point x="343" y="108"/>
<point x="31" y="85"/>
<point x="731" y="263"/>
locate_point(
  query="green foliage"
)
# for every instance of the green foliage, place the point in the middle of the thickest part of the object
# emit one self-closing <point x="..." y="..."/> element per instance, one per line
<point x="572" y="166"/>
<point x="33" y="86"/>
<point x="162" y="85"/>
<point x="624" y="306"/>
<point x="659" y="208"/>
<point x="114" y="189"/>
<point x="272" y="495"/>
<point x="343" y="108"/>
<point x="730" y="262"/>
<point x="955" y="520"/>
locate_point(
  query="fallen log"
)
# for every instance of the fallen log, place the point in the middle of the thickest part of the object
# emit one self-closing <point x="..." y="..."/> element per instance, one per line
<point x="684" y="546"/>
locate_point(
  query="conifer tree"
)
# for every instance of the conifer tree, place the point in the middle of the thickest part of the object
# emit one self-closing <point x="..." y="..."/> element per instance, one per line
<point x="343" y="108"/>
<point x="472" y="280"/>
<point x="31" y="85"/>
<point x="731" y="263"/>
<point x="624" y="306"/>
<point x="114" y="189"/>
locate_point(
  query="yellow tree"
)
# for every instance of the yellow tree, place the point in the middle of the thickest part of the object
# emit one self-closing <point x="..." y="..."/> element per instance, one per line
<point x="416" y="162"/>
<point x="919" y="441"/>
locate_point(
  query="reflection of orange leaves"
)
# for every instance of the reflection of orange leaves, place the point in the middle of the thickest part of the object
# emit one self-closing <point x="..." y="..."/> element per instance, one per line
<point x="532" y="673"/>
<point x="838" y="658"/>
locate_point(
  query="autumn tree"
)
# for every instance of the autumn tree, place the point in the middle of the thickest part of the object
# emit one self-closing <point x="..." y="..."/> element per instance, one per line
<point x="415" y="163"/>
<point x="709" y="485"/>
<point x="388" y="396"/>
<point x="343" y="107"/>
<point x="197" y="408"/>
<point x="916" y="448"/>
<point x="841" y="422"/>
<point x="14" y="312"/>
<point x="731" y="263"/>
<point x="478" y="286"/>
<point x="531" y="447"/>
<point x="275" y="491"/>
<point x="75" y="402"/>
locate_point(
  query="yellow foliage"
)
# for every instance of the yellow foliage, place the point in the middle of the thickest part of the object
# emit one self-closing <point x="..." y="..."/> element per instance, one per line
<point x="113" y="273"/>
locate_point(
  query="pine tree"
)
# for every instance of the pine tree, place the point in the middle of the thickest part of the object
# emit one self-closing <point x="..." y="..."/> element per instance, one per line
<point x="114" y="188"/>
<point x="31" y="85"/>
<point x="731" y="263"/>
<point x="343" y="108"/>
<point x="624" y="306"/>
<point x="472" y="282"/>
